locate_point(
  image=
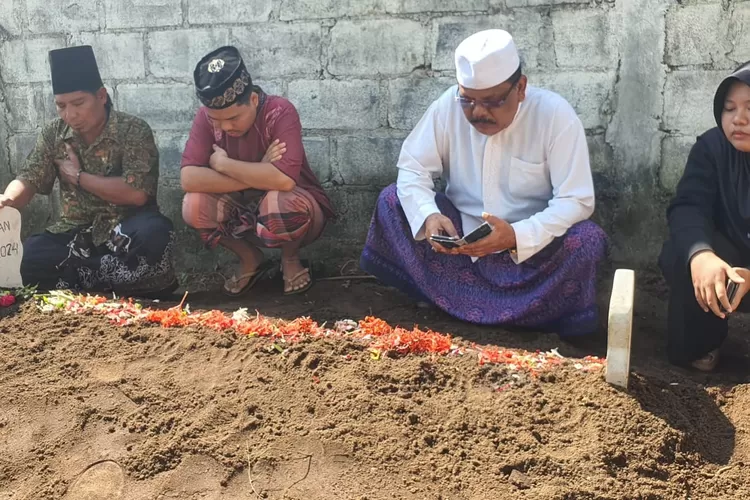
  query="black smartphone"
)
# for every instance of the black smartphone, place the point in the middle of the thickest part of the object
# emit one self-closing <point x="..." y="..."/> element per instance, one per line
<point x="481" y="232"/>
<point x="446" y="241"/>
<point x="731" y="290"/>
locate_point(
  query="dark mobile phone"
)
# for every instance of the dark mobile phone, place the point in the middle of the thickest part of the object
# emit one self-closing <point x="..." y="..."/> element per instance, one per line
<point x="481" y="232"/>
<point x="446" y="241"/>
<point x="451" y="242"/>
<point x="731" y="290"/>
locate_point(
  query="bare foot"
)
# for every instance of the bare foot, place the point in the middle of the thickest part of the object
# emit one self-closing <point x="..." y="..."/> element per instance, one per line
<point x="249" y="263"/>
<point x="296" y="276"/>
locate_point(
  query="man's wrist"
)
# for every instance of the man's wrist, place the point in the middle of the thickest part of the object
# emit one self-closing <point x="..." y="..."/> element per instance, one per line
<point x="510" y="243"/>
<point x="701" y="254"/>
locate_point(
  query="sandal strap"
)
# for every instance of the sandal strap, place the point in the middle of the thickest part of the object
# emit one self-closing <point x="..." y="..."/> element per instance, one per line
<point x="297" y="276"/>
<point x="245" y="276"/>
<point x="236" y="279"/>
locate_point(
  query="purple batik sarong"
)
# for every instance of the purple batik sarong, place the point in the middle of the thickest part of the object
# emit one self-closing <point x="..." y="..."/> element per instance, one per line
<point x="555" y="290"/>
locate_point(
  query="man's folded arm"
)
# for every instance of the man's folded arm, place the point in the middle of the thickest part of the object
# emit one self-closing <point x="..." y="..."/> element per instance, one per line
<point x="262" y="176"/>
<point x="197" y="179"/>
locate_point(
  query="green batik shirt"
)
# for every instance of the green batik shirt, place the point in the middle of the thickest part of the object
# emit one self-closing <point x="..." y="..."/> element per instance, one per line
<point x="125" y="148"/>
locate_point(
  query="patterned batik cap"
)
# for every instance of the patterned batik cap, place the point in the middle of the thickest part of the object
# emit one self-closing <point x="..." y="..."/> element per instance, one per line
<point x="221" y="78"/>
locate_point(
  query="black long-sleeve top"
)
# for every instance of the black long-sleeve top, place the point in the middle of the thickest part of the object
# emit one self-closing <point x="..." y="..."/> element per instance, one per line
<point x="713" y="195"/>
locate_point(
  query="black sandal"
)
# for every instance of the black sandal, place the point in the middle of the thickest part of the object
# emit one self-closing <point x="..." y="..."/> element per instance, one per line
<point x="254" y="276"/>
<point x="308" y="270"/>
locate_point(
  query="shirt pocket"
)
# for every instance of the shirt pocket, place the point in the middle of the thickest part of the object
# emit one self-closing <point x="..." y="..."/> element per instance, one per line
<point x="111" y="162"/>
<point x="529" y="180"/>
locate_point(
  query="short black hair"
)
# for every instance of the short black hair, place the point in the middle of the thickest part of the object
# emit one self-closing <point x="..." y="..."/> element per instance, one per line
<point x="108" y="104"/>
<point x="516" y="76"/>
<point x="244" y="99"/>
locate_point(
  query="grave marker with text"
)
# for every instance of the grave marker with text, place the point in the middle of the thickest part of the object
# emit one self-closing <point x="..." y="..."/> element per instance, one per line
<point x="11" y="249"/>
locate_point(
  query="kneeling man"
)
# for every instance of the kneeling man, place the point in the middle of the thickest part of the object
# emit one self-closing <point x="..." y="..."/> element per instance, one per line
<point x="111" y="236"/>
<point x="516" y="157"/>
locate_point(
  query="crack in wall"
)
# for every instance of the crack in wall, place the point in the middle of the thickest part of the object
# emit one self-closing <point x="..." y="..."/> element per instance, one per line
<point x="611" y="99"/>
<point x="4" y="125"/>
<point x="733" y="30"/>
<point x="326" y="40"/>
<point x="185" y="11"/>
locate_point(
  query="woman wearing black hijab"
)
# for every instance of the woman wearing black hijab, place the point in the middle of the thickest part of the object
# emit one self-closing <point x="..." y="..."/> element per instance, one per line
<point x="709" y="228"/>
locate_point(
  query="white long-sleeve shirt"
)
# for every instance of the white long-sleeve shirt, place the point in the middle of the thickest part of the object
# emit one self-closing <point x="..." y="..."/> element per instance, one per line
<point x="535" y="174"/>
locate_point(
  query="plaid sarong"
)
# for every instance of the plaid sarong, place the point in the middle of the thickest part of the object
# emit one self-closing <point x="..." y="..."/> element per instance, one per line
<point x="265" y="218"/>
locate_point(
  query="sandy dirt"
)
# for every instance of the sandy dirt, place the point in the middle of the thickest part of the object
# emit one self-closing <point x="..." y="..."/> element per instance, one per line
<point x="93" y="411"/>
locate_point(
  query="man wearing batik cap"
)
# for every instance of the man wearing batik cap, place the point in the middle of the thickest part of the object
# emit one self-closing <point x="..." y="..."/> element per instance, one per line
<point x="516" y="157"/>
<point x="248" y="182"/>
<point x="110" y="236"/>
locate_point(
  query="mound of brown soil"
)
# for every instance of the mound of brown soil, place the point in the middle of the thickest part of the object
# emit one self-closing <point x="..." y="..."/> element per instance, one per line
<point x="93" y="411"/>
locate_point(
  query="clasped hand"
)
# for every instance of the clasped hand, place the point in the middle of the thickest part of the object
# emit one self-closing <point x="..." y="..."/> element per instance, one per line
<point x="69" y="169"/>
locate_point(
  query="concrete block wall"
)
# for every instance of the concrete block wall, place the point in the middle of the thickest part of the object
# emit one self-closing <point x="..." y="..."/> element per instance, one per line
<point x="640" y="73"/>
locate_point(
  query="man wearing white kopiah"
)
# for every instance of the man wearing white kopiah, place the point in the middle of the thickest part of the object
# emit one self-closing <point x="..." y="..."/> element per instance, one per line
<point x="515" y="157"/>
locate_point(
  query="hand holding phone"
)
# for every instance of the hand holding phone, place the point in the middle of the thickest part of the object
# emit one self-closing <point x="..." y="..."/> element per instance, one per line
<point x="440" y="226"/>
<point x="446" y="241"/>
<point x="453" y="242"/>
<point x="709" y="275"/>
<point x="481" y="232"/>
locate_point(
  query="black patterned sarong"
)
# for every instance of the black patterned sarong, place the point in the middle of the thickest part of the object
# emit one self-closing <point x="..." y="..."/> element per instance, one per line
<point x="135" y="261"/>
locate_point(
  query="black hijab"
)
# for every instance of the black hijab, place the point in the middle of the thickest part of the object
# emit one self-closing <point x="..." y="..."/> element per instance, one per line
<point x="714" y="192"/>
<point x="733" y="166"/>
<point x="741" y="74"/>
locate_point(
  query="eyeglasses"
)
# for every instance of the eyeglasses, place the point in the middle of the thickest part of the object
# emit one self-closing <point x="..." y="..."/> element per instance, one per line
<point x="468" y="103"/>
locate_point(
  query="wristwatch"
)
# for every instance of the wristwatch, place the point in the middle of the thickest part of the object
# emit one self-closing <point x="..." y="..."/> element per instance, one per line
<point x="78" y="178"/>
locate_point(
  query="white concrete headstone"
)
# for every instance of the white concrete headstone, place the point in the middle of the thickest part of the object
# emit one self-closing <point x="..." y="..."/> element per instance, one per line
<point x="11" y="250"/>
<point x="620" y="328"/>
